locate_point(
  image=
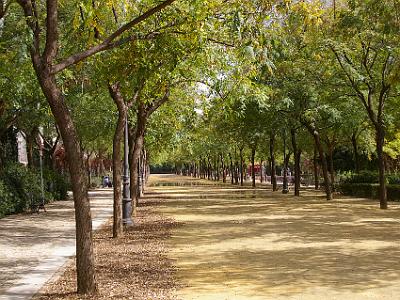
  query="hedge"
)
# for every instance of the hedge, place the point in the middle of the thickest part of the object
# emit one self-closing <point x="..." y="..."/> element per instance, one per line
<point x="370" y="190"/>
<point x="368" y="177"/>
<point x="20" y="187"/>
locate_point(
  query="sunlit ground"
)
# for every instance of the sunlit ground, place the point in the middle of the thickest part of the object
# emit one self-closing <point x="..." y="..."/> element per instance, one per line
<point x="240" y="243"/>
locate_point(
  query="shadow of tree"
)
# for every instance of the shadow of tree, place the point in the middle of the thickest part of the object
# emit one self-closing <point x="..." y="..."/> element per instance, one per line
<point x="266" y="244"/>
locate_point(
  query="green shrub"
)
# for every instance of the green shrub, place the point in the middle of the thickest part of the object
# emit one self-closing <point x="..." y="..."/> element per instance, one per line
<point x="6" y="200"/>
<point x="24" y="184"/>
<point x="369" y="190"/>
<point x="20" y="187"/>
<point x="393" y="178"/>
<point x="362" y="177"/>
<point x="393" y="192"/>
<point x="56" y="184"/>
<point x="368" y="177"/>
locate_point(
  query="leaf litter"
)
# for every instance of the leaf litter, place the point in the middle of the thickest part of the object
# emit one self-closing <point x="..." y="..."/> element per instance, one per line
<point x="135" y="266"/>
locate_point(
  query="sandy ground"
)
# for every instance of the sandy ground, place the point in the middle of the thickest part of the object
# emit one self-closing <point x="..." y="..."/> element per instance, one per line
<point x="238" y="243"/>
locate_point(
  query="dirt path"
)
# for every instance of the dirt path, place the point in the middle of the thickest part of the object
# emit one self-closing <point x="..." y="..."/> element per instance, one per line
<point x="239" y="243"/>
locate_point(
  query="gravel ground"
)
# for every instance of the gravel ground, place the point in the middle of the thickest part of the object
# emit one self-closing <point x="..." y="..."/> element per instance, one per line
<point x="132" y="267"/>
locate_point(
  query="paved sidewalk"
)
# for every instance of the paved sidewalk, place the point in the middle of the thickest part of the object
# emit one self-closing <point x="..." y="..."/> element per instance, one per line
<point x="34" y="246"/>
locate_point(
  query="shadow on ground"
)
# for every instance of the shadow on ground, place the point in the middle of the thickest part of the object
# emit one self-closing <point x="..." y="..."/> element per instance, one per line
<point x="239" y="243"/>
<point x="26" y="240"/>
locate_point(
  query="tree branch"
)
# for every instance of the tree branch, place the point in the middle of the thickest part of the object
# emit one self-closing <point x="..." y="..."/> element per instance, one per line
<point x="50" y="50"/>
<point x="30" y="13"/>
<point x="110" y="42"/>
<point x="156" y="104"/>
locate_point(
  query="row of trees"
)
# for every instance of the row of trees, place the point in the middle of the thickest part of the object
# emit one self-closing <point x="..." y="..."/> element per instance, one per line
<point x="319" y="77"/>
<point x="91" y="65"/>
<point x="210" y="82"/>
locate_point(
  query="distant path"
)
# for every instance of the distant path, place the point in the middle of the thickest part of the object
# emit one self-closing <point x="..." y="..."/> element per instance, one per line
<point x="236" y="243"/>
<point x="34" y="246"/>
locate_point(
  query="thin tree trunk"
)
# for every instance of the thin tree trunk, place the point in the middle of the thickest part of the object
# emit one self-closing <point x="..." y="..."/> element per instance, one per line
<point x="241" y="166"/>
<point x="316" y="171"/>
<point x="253" y="169"/>
<point x="223" y="168"/>
<point x="232" y="168"/>
<point x="297" y="157"/>
<point x="331" y="166"/>
<point x="139" y="141"/>
<point x="380" y="140"/>
<point x="272" y="158"/>
<point x="115" y="93"/>
<point x="322" y="157"/>
<point x="355" y="152"/>
<point x="132" y="171"/>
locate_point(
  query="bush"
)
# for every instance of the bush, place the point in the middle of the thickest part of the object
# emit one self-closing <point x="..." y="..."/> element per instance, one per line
<point x="24" y="184"/>
<point x="368" y="177"/>
<point x="56" y="184"/>
<point x="6" y="200"/>
<point x="393" y="192"/>
<point x="393" y="178"/>
<point x="362" y="177"/>
<point x="20" y="187"/>
<point x="370" y="190"/>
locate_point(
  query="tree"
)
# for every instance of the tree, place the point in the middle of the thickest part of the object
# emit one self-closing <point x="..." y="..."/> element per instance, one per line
<point x="47" y="66"/>
<point x="366" y="48"/>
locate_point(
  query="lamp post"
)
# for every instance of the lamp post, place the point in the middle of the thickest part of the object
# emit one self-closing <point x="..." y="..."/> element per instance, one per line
<point x="285" y="188"/>
<point x="126" y="197"/>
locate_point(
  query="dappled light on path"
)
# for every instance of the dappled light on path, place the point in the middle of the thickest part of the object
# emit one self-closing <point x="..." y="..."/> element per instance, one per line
<point x="34" y="246"/>
<point x="240" y="243"/>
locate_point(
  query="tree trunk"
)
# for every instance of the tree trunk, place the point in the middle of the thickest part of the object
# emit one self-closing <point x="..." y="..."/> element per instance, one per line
<point x="115" y="93"/>
<point x="209" y="168"/>
<point x="132" y="171"/>
<point x="331" y="166"/>
<point x="232" y="168"/>
<point x="86" y="280"/>
<point x="223" y="168"/>
<point x="253" y="169"/>
<point x="322" y="157"/>
<point x="135" y="166"/>
<point x="237" y="172"/>
<point x="297" y="170"/>
<point x="355" y="152"/>
<point x="272" y="158"/>
<point x="241" y="166"/>
<point x="261" y="172"/>
<point x="380" y="140"/>
<point x="316" y="171"/>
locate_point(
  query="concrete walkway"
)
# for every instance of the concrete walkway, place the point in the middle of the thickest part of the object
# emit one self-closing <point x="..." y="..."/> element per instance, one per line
<point x="33" y="247"/>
